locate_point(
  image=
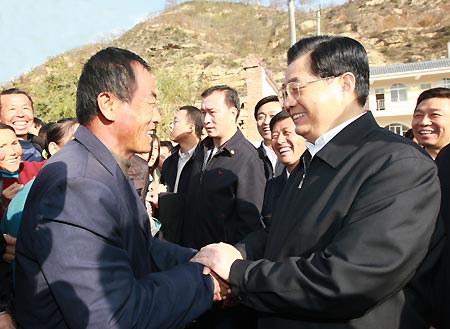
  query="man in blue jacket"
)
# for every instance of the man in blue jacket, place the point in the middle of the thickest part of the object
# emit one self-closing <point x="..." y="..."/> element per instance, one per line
<point x="85" y="256"/>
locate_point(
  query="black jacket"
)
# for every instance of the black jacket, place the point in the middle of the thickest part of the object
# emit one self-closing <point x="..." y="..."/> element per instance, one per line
<point x="224" y="200"/>
<point x="343" y="249"/>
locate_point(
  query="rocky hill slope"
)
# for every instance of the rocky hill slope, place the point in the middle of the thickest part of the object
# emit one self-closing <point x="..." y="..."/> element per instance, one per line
<point x="197" y="44"/>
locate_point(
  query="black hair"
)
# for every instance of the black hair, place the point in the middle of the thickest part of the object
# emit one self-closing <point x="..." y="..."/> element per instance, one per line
<point x="332" y="56"/>
<point x="194" y="115"/>
<point x="231" y="96"/>
<point x="16" y="91"/>
<point x="58" y="131"/>
<point x="439" y="92"/>
<point x="278" y="117"/>
<point x="265" y="100"/>
<point x="109" y="70"/>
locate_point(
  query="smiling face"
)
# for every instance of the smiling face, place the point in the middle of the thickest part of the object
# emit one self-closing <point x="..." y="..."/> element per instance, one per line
<point x="286" y="143"/>
<point x="431" y="124"/>
<point x="265" y="113"/>
<point x="10" y="147"/>
<point x="17" y="112"/>
<point x="317" y="108"/>
<point x="135" y="118"/>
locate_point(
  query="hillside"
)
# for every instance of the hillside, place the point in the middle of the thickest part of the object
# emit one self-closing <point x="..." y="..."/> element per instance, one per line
<point x="198" y="44"/>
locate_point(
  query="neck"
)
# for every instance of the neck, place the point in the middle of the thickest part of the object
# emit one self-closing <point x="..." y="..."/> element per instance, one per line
<point x="291" y="166"/>
<point x="218" y="141"/>
<point x="433" y="152"/>
<point x="268" y="143"/>
<point x="187" y="145"/>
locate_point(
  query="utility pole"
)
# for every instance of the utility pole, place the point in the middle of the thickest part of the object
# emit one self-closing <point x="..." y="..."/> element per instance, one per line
<point x="318" y="21"/>
<point x="293" y="37"/>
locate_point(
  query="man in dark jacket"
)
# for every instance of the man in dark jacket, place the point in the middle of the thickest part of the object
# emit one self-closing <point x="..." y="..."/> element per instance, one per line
<point x="265" y="110"/>
<point x="226" y="188"/>
<point x="352" y="231"/>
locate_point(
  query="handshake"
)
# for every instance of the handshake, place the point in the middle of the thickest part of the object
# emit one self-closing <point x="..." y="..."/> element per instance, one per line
<point x="217" y="259"/>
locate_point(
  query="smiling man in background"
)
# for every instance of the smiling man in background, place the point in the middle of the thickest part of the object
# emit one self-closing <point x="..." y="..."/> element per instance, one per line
<point x="431" y="120"/>
<point x="17" y="111"/>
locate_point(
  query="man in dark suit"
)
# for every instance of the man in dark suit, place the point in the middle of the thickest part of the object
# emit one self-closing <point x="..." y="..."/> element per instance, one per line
<point x="85" y="256"/>
<point x="186" y="131"/>
<point x="265" y="110"/>
<point x="288" y="146"/>
<point x="442" y="298"/>
<point x="353" y="226"/>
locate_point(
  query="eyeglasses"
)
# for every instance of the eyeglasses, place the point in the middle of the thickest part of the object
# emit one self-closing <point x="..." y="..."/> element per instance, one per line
<point x="292" y="89"/>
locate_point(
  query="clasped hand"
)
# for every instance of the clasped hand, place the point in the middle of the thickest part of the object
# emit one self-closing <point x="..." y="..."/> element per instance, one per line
<point x="218" y="258"/>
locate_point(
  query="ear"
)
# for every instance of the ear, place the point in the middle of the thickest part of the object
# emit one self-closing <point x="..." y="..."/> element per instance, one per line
<point x="235" y="113"/>
<point x="53" y="148"/>
<point x="107" y="104"/>
<point x="348" y="83"/>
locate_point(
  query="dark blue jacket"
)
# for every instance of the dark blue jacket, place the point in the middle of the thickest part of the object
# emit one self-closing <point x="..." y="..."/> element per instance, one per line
<point x="85" y="256"/>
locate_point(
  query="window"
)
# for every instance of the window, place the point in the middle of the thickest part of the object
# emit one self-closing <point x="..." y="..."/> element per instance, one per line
<point x="425" y="86"/>
<point x="379" y="96"/>
<point x="397" y="128"/>
<point x="398" y="93"/>
<point x="444" y="83"/>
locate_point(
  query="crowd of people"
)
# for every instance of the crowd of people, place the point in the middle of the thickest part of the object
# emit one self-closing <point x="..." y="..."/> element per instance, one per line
<point x="330" y="222"/>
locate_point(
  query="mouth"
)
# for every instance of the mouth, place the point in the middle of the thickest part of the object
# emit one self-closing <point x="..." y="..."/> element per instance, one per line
<point x="297" y="116"/>
<point x="284" y="150"/>
<point x="425" y="132"/>
<point x="20" y="123"/>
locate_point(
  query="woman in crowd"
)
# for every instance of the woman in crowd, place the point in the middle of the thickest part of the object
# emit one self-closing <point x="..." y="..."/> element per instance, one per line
<point x="57" y="135"/>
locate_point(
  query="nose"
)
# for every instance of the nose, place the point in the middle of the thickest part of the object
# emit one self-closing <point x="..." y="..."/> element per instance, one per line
<point x="206" y="118"/>
<point x="425" y="121"/>
<point x="281" y="139"/>
<point x="288" y="103"/>
<point x="171" y="127"/>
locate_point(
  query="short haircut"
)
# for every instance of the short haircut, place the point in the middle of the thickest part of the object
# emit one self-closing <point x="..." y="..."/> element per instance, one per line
<point x="265" y="100"/>
<point x="15" y="91"/>
<point x="231" y="96"/>
<point x="439" y="92"/>
<point x="109" y="70"/>
<point x="409" y="134"/>
<point x="194" y="115"/>
<point x="278" y="117"/>
<point x="332" y="56"/>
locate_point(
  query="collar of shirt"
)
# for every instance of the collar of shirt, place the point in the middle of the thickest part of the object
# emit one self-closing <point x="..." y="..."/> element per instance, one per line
<point x="270" y="154"/>
<point x="328" y="136"/>
<point x="188" y="154"/>
<point x="124" y="164"/>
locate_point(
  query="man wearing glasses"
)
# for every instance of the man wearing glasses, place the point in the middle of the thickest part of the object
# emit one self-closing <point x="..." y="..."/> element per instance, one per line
<point x="349" y="238"/>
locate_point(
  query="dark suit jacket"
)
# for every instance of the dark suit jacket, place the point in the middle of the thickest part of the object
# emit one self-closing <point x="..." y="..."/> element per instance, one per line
<point x="442" y="286"/>
<point x="169" y="172"/>
<point x="224" y="199"/>
<point x="273" y="190"/>
<point x="85" y="256"/>
<point x="268" y="168"/>
<point x="342" y="249"/>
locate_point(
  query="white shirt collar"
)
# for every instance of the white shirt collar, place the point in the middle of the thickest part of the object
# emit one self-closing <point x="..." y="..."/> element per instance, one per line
<point x="328" y="136"/>
<point x="270" y="154"/>
<point x="188" y="154"/>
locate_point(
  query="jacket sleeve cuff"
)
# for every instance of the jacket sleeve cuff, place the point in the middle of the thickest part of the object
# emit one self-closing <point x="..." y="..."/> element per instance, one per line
<point x="237" y="278"/>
